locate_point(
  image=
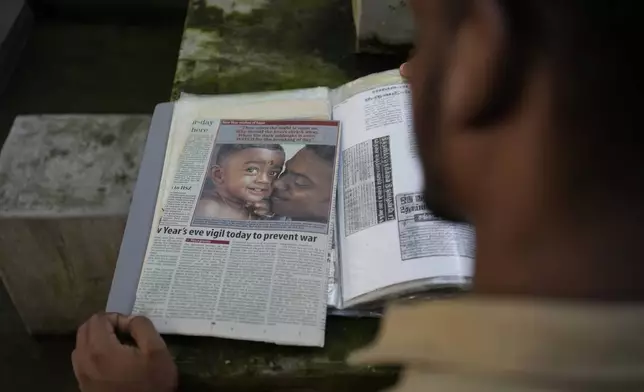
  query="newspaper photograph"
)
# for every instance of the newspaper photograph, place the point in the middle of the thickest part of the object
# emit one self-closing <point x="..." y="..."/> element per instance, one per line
<point x="242" y="244"/>
<point x="256" y="172"/>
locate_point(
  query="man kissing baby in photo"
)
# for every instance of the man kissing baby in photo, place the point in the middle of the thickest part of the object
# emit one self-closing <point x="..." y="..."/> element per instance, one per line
<point x="243" y="177"/>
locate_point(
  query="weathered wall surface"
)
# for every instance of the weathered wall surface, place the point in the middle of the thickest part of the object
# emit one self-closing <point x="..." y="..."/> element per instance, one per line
<point x="65" y="188"/>
<point x="382" y="26"/>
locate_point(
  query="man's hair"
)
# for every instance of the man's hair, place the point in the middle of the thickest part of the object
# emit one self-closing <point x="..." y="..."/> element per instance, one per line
<point x="592" y="49"/>
<point x="223" y="151"/>
<point x="326" y="153"/>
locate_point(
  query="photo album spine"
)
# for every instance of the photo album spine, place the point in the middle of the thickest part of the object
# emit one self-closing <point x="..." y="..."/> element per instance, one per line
<point x="137" y="230"/>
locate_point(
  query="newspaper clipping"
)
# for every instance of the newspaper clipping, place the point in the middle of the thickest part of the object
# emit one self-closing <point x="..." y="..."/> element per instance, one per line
<point x="424" y="235"/>
<point x="367" y="185"/>
<point x="241" y="248"/>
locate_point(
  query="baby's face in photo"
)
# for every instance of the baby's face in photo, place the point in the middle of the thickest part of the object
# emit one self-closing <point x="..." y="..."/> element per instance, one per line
<point x="248" y="174"/>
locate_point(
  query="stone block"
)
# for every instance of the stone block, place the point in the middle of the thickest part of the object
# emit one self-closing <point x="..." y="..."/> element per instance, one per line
<point x="65" y="188"/>
<point x="233" y="46"/>
<point x="382" y="26"/>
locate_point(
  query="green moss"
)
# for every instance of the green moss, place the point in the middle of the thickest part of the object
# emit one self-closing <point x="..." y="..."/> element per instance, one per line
<point x="229" y="76"/>
<point x="221" y="358"/>
<point x="286" y="44"/>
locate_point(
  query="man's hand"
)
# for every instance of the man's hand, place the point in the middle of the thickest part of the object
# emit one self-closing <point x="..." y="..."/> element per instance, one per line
<point x="404" y="70"/>
<point x="103" y="364"/>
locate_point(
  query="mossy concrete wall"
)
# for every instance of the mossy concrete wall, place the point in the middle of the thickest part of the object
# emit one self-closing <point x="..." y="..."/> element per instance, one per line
<point x="241" y="46"/>
<point x="241" y="365"/>
<point x="383" y="26"/>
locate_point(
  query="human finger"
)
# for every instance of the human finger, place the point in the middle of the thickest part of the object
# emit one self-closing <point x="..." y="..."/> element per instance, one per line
<point x="145" y="335"/>
<point x="101" y="332"/>
<point x="405" y="70"/>
<point x="81" y="336"/>
<point x="84" y="366"/>
<point x="77" y="365"/>
<point x="119" y="321"/>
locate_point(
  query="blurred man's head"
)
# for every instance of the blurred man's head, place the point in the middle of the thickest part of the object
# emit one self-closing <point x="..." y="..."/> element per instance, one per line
<point x="527" y="118"/>
<point x="527" y="105"/>
<point x="304" y="190"/>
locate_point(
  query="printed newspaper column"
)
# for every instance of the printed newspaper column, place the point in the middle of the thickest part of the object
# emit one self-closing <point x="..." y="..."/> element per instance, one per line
<point x="424" y="235"/>
<point x="389" y="244"/>
<point x="367" y="181"/>
<point x="246" y="240"/>
<point x="165" y="248"/>
<point x="189" y="174"/>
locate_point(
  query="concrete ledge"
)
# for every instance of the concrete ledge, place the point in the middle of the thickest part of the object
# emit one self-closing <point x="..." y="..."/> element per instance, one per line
<point x="211" y="364"/>
<point x="65" y="188"/>
<point x="382" y="26"/>
<point x="218" y="364"/>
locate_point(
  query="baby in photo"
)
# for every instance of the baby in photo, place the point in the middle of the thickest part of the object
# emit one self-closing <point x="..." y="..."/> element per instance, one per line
<point x="243" y="176"/>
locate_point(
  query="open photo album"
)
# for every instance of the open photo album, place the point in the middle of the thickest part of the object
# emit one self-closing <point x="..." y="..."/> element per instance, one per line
<point x="254" y="214"/>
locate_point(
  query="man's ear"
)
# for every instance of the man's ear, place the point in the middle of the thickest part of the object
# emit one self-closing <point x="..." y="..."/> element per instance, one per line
<point x="217" y="175"/>
<point x="474" y="61"/>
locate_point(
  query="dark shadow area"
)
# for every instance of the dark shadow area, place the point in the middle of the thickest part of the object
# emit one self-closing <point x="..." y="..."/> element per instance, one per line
<point x="99" y="61"/>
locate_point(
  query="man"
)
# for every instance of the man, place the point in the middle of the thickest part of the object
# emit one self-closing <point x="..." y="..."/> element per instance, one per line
<point x="527" y="118"/>
<point x="303" y="191"/>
